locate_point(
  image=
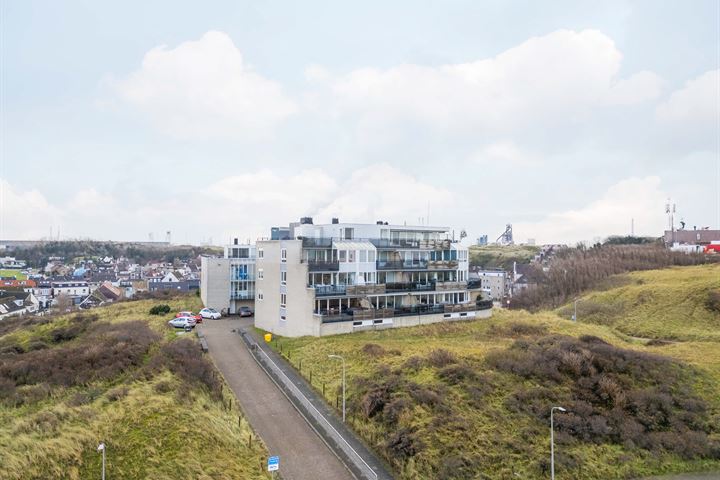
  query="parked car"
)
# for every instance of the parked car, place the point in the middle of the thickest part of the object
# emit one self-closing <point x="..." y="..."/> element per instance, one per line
<point x="198" y="318"/>
<point x="210" y="313"/>
<point x="182" y="322"/>
<point x="245" y="312"/>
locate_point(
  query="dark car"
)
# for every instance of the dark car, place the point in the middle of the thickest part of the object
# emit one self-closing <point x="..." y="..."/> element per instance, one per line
<point x="245" y="312"/>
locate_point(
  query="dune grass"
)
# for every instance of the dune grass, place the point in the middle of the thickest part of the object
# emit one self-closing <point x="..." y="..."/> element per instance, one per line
<point x="467" y="419"/>
<point x="667" y="304"/>
<point x="502" y="256"/>
<point x="157" y="422"/>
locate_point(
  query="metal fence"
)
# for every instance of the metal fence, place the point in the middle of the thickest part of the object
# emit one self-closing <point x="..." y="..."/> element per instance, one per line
<point x="311" y="414"/>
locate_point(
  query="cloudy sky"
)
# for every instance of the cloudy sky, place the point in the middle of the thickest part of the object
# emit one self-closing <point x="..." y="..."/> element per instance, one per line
<point x="211" y="119"/>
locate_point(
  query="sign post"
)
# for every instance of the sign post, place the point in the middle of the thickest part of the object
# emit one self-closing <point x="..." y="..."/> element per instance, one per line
<point x="273" y="464"/>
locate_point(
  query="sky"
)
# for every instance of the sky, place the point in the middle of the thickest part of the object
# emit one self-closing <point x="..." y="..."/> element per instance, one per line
<point x="570" y="120"/>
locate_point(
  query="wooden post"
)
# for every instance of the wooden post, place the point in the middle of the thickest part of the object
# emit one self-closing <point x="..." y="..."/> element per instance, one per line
<point x="310" y="377"/>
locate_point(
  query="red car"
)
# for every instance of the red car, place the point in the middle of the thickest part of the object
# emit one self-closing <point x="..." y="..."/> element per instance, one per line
<point x="198" y="318"/>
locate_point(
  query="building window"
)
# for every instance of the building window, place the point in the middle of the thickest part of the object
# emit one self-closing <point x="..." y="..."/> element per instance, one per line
<point x="260" y="295"/>
<point x="371" y="256"/>
<point x="342" y="254"/>
<point x="283" y="278"/>
<point x="283" y="255"/>
<point x="363" y="256"/>
<point x="261" y="253"/>
<point x="261" y="274"/>
<point x="283" y="300"/>
<point x="282" y="318"/>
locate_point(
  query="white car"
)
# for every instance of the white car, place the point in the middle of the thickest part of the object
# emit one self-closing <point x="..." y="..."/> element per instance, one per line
<point x="182" y="322"/>
<point x="210" y="313"/>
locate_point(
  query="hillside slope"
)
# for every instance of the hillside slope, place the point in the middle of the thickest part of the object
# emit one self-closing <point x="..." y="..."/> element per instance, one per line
<point x="119" y="375"/>
<point x="472" y="399"/>
<point x="670" y="304"/>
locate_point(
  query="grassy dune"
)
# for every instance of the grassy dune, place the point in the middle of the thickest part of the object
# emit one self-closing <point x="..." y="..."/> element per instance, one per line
<point x="456" y="399"/>
<point x="659" y="304"/>
<point x="498" y="256"/>
<point x="165" y="414"/>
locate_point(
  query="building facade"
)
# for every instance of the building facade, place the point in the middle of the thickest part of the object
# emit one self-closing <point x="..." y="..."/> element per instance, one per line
<point x="346" y="277"/>
<point x="228" y="283"/>
<point x="495" y="282"/>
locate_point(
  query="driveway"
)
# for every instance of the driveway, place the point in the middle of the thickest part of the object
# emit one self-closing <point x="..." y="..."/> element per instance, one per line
<point x="303" y="455"/>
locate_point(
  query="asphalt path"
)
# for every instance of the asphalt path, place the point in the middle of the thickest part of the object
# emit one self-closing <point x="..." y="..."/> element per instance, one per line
<point x="303" y="454"/>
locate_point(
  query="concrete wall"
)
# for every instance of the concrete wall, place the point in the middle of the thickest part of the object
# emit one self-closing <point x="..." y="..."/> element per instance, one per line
<point x="215" y="282"/>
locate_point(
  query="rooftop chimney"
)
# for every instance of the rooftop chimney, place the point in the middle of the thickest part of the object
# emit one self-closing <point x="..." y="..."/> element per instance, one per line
<point x="335" y="220"/>
<point x="306" y="221"/>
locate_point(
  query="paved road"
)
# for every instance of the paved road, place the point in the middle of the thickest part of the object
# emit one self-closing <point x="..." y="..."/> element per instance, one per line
<point x="303" y="455"/>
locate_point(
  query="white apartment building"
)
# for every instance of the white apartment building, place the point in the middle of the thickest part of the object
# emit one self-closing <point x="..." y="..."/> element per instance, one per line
<point x="228" y="283"/>
<point x="495" y="282"/>
<point x="346" y="277"/>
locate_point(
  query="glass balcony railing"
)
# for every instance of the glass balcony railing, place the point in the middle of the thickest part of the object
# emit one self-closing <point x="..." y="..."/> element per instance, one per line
<point x="401" y="265"/>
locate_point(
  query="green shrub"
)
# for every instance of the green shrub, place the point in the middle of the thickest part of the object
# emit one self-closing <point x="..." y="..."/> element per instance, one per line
<point x="160" y="310"/>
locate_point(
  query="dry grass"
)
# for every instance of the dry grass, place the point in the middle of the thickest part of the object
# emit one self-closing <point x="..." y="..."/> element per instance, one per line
<point x="155" y="424"/>
<point x="471" y="416"/>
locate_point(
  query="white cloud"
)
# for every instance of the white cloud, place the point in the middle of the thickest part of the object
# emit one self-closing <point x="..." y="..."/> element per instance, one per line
<point x="641" y="199"/>
<point x="382" y="192"/>
<point x="244" y="205"/>
<point x="637" y="88"/>
<point x="696" y="103"/>
<point x="25" y="214"/>
<point x="204" y="89"/>
<point x="505" y="152"/>
<point x="556" y="78"/>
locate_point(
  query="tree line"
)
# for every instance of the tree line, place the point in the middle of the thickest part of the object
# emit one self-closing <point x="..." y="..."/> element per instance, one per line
<point x="575" y="270"/>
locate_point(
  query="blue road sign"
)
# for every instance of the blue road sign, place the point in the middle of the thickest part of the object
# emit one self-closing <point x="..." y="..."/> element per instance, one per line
<point x="273" y="464"/>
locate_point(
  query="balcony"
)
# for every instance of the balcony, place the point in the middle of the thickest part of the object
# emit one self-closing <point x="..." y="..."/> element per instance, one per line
<point x="474" y="284"/>
<point x="371" y="314"/>
<point x="401" y="265"/>
<point x="308" y="242"/>
<point x="243" y="278"/>
<point x="318" y="266"/>
<point x="409" y="287"/>
<point x="444" y="286"/>
<point x="329" y="290"/>
<point x="242" y="295"/>
<point x="442" y="265"/>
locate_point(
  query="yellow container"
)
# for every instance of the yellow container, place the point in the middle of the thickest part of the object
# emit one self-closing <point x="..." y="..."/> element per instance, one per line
<point x="268" y="337"/>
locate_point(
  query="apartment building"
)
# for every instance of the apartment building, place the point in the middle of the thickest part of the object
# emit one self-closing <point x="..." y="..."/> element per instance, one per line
<point x="345" y="277"/>
<point x="495" y="282"/>
<point x="228" y="283"/>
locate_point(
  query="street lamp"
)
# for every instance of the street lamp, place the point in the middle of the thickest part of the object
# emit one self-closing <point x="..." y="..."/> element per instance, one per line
<point x="101" y="448"/>
<point x="552" y="441"/>
<point x="575" y="312"/>
<point x="343" y="380"/>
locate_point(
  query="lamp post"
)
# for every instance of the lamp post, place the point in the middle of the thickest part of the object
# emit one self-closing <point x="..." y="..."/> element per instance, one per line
<point x="575" y="311"/>
<point x="552" y="441"/>
<point x="343" y="380"/>
<point x="101" y="448"/>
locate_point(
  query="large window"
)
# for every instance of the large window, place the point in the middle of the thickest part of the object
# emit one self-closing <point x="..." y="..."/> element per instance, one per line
<point x="343" y="255"/>
<point x="261" y="253"/>
<point x="260" y="274"/>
